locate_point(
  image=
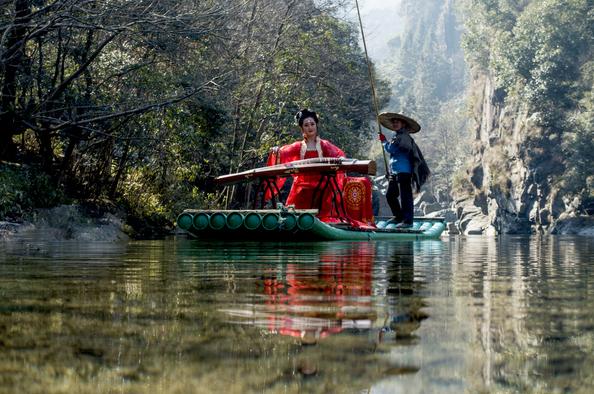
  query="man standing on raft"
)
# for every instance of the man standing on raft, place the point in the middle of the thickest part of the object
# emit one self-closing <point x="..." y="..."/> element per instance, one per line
<point x="407" y="166"/>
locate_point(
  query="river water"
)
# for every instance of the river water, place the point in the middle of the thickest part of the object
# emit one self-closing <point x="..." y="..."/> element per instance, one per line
<point x="474" y="314"/>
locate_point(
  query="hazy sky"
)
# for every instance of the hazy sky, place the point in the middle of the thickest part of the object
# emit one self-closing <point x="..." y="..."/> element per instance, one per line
<point x="381" y="22"/>
<point x="368" y="4"/>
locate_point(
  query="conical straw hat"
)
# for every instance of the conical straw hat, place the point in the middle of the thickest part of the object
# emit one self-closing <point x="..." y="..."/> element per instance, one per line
<point x="386" y="118"/>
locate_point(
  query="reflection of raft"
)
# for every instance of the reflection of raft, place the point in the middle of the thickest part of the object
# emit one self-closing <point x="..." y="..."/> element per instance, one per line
<point x="283" y="224"/>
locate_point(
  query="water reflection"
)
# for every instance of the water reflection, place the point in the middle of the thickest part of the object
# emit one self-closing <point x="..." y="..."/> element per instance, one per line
<point x="530" y="302"/>
<point x="313" y="301"/>
<point x="329" y="306"/>
<point x="464" y="314"/>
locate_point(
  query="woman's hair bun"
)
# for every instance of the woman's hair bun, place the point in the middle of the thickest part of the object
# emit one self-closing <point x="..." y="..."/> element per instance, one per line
<point x="304" y="114"/>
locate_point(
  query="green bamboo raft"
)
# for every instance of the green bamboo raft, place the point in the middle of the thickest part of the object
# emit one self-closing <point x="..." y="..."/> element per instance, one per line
<point x="296" y="224"/>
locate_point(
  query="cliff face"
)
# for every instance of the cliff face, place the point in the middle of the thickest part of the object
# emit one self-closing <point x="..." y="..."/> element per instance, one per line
<point x="515" y="179"/>
<point x="527" y="166"/>
<point x="532" y="111"/>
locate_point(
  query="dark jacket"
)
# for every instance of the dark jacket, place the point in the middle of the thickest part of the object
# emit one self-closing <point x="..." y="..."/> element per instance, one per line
<point x="421" y="170"/>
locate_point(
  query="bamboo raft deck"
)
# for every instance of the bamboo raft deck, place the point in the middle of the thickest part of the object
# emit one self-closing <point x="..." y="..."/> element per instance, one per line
<point x="297" y="224"/>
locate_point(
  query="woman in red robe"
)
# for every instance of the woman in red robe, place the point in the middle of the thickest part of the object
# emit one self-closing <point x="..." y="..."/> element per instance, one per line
<point x="304" y="185"/>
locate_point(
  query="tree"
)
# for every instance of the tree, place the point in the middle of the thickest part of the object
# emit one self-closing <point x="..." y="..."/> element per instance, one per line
<point x="147" y="101"/>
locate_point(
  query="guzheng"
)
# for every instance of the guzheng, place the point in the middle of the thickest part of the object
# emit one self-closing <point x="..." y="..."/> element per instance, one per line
<point x="316" y="165"/>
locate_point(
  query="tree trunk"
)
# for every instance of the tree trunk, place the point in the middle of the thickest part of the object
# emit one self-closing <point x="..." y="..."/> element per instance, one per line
<point x="120" y="172"/>
<point x="12" y="62"/>
<point x="46" y="151"/>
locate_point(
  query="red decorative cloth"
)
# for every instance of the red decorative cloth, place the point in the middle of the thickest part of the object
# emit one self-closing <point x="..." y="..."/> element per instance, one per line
<point x="356" y="193"/>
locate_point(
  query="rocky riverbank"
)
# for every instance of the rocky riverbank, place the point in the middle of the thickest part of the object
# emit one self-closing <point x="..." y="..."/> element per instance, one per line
<point x="473" y="216"/>
<point x="68" y="222"/>
<point x="84" y="223"/>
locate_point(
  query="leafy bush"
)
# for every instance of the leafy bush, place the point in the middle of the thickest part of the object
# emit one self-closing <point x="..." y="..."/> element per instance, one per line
<point x="25" y="188"/>
<point x="581" y="148"/>
<point x="461" y="185"/>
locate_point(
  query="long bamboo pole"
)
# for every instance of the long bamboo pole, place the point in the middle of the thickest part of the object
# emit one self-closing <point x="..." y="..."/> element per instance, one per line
<point x="375" y="105"/>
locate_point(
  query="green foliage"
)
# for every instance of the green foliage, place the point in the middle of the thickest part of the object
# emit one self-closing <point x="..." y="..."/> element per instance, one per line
<point x="540" y="55"/>
<point x="146" y="102"/>
<point x="25" y="188"/>
<point x="581" y="145"/>
<point x="534" y="49"/>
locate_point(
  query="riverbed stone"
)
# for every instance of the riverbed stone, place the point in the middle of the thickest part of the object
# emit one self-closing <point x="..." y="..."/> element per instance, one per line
<point x="434" y="207"/>
<point x="477" y="225"/>
<point x="452" y="228"/>
<point x="448" y="214"/>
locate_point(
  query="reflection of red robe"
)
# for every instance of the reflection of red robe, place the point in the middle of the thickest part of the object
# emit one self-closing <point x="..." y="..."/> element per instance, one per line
<point x="326" y="300"/>
<point x="302" y="191"/>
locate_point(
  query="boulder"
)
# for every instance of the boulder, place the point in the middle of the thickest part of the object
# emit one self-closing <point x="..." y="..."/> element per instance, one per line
<point x="578" y="225"/>
<point x="8" y="228"/>
<point x="380" y="183"/>
<point x="448" y="214"/>
<point x="459" y="211"/>
<point x="452" y="228"/>
<point x="71" y="222"/>
<point x="481" y="202"/>
<point x="424" y="196"/>
<point x="533" y="212"/>
<point x="557" y="204"/>
<point x="463" y="223"/>
<point x="544" y="216"/>
<point x="490" y="231"/>
<point x="427" y="208"/>
<point x="472" y="229"/>
<point x="509" y="223"/>
<point x="477" y="226"/>
<point x="470" y="211"/>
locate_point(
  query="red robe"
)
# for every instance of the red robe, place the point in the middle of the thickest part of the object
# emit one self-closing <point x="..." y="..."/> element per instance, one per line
<point x="302" y="191"/>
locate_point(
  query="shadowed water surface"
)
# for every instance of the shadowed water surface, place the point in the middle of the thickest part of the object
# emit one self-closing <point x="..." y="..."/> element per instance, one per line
<point x="182" y="316"/>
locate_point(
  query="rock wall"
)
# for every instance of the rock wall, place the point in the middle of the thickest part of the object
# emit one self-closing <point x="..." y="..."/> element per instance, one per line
<point x="514" y="184"/>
